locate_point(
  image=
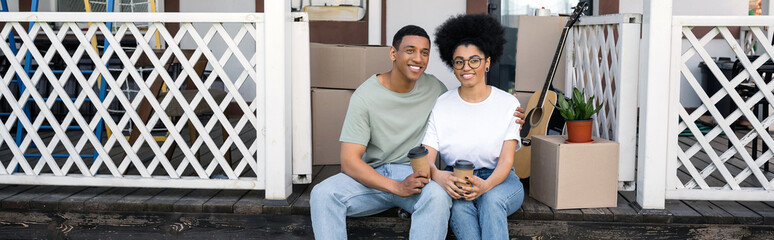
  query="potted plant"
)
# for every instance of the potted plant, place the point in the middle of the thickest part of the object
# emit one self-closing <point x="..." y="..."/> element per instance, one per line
<point x="577" y="111"/>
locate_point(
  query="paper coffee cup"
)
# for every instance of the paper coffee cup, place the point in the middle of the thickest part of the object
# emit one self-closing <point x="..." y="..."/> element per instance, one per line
<point x="463" y="168"/>
<point x="418" y="157"/>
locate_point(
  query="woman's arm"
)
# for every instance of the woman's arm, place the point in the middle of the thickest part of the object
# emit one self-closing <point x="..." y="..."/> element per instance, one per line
<point x="499" y="175"/>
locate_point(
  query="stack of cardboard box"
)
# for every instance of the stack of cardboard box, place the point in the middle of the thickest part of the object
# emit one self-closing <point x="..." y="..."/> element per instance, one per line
<point x="336" y="71"/>
<point x="535" y="49"/>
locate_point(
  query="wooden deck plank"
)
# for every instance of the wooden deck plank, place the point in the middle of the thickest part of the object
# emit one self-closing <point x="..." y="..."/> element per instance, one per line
<point x="194" y="201"/>
<point x="738" y="213"/>
<point x="165" y="200"/>
<point x="250" y="203"/>
<point x="13" y="190"/>
<point x="224" y="201"/>
<point x="568" y="215"/>
<point x="518" y="215"/>
<point x="22" y="200"/>
<point x="536" y="210"/>
<point x="76" y="201"/>
<point x="741" y="214"/>
<point x="763" y="209"/>
<point x="597" y="215"/>
<point x="648" y="215"/>
<point x="624" y="212"/>
<point x="286" y="209"/>
<point x="135" y="201"/>
<point x="712" y="214"/>
<point x="320" y="173"/>
<point x="50" y="201"/>
<point x="682" y="213"/>
<point x="679" y="211"/>
<point x="106" y="201"/>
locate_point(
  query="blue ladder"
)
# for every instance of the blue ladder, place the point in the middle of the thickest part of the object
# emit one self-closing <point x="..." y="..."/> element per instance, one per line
<point x="28" y="70"/>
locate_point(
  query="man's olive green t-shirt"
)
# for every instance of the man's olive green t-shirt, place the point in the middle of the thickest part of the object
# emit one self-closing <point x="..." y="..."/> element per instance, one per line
<point x="388" y="123"/>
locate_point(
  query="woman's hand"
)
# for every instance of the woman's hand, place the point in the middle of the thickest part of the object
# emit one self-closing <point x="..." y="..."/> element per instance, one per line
<point x="447" y="182"/>
<point x="479" y="187"/>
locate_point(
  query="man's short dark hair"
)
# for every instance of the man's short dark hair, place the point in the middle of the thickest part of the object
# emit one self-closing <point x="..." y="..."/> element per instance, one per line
<point x="408" y="30"/>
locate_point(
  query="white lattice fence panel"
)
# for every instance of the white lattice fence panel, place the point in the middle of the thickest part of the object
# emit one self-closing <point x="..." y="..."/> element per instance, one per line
<point x="64" y="155"/>
<point x="703" y="165"/>
<point x="602" y="60"/>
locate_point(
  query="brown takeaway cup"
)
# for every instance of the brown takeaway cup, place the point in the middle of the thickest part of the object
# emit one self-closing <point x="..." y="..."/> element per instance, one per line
<point x="418" y="157"/>
<point x="463" y="168"/>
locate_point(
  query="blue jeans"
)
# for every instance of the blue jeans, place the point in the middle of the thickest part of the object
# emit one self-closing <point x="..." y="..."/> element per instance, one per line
<point x="486" y="217"/>
<point x="340" y="196"/>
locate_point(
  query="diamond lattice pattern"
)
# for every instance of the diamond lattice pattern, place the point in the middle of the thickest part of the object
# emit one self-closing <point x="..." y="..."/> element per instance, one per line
<point x="114" y="100"/>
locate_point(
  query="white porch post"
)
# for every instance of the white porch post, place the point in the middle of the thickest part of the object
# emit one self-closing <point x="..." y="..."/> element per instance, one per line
<point x="278" y="98"/>
<point x="629" y="32"/>
<point x="375" y="22"/>
<point x="654" y="111"/>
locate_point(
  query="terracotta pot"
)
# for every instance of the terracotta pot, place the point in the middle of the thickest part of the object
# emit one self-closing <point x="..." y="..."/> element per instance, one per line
<point x="579" y="131"/>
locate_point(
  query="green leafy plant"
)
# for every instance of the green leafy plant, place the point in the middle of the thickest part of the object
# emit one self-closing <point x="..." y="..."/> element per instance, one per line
<point x="577" y="108"/>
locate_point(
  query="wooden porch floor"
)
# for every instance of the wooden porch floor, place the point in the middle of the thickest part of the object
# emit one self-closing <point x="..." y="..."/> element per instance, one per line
<point x="22" y="207"/>
<point x="211" y="211"/>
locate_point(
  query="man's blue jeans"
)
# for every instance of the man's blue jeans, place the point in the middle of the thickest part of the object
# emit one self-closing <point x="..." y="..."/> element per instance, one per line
<point x="486" y="217"/>
<point x="340" y="196"/>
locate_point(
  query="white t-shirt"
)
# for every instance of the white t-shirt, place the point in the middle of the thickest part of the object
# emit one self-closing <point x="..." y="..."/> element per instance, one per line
<point x="472" y="131"/>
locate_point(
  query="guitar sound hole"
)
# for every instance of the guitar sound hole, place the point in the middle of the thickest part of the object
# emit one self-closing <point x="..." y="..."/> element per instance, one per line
<point x="537" y="115"/>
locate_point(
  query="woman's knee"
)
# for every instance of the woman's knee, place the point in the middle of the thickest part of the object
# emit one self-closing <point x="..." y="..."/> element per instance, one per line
<point x="507" y="203"/>
<point x="462" y="206"/>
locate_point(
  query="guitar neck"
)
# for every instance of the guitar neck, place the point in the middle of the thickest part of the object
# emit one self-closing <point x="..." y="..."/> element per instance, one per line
<point x="554" y="63"/>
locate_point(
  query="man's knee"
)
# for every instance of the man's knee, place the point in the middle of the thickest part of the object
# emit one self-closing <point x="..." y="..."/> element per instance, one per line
<point x="435" y="194"/>
<point x="322" y="193"/>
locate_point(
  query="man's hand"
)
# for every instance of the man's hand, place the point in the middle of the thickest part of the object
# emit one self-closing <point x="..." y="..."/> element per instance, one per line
<point x="519" y="114"/>
<point x="413" y="184"/>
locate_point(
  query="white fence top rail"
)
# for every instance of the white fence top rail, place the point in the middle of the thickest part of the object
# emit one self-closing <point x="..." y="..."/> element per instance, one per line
<point x="750" y="21"/>
<point x="130" y="17"/>
<point x="610" y="19"/>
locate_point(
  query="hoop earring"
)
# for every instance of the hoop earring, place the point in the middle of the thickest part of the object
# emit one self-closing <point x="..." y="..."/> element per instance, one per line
<point x="487" y="69"/>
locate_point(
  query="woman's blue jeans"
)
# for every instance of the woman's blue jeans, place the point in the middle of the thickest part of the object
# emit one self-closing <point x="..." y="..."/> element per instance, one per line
<point x="486" y="217"/>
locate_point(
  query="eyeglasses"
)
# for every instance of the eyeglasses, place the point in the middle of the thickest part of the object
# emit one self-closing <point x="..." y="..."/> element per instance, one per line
<point x="473" y="62"/>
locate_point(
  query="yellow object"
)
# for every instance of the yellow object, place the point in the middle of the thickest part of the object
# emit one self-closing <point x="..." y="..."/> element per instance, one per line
<point x="87" y="7"/>
<point x="335" y="13"/>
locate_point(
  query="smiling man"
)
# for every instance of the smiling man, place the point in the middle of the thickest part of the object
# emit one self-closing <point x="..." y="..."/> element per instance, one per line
<point x="387" y="116"/>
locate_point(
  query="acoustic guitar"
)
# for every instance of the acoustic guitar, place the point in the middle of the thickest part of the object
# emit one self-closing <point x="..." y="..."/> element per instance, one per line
<point x="541" y="115"/>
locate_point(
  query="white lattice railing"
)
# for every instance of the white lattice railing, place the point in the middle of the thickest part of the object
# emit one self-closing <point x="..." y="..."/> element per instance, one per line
<point x="602" y="59"/>
<point x="732" y="173"/>
<point x="60" y="156"/>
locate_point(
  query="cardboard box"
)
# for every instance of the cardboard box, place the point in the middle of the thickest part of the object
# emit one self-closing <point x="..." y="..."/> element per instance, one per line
<point x="566" y="176"/>
<point x="523" y="98"/>
<point x="329" y="107"/>
<point x="538" y="38"/>
<point x="346" y="66"/>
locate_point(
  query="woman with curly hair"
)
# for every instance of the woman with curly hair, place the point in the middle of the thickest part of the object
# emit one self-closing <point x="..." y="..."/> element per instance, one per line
<point x="475" y="122"/>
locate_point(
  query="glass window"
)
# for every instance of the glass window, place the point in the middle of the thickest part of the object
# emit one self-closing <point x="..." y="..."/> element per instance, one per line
<point x="527" y="7"/>
<point x="502" y="74"/>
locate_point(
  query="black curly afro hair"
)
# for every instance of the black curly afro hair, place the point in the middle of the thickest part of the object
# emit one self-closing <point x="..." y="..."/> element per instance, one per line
<point x="480" y="30"/>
